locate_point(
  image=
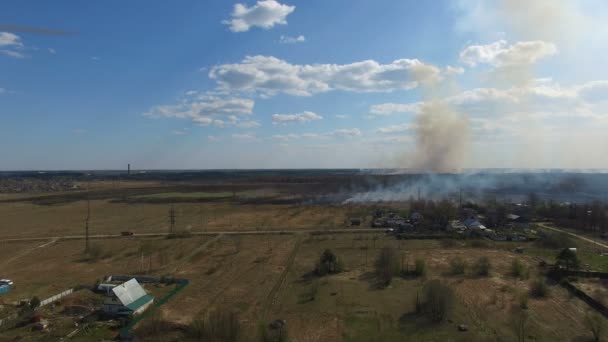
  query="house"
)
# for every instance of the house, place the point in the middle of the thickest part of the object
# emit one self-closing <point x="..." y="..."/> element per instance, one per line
<point x="128" y="298"/>
<point x="456" y="226"/>
<point x="416" y="218"/>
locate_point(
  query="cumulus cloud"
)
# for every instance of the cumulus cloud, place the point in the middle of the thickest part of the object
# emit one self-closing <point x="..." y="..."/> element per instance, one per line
<point x="208" y="110"/>
<point x="394" y="108"/>
<point x="248" y="124"/>
<point x="12" y="53"/>
<point x="292" y="40"/>
<point x="338" y="134"/>
<point x="501" y="54"/>
<point x="269" y="76"/>
<point x="341" y="116"/>
<point x="179" y="131"/>
<point x="304" y="117"/>
<point x="244" y="136"/>
<point x="264" y="14"/>
<point x="395" y="129"/>
<point x="8" y="39"/>
<point x="52" y="51"/>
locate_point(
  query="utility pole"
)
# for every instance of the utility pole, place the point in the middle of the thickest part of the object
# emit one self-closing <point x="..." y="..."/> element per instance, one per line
<point x="86" y="227"/>
<point x="172" y="218"/>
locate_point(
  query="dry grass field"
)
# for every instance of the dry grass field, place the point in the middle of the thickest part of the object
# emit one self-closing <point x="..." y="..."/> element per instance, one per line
<point x="267" y="277"/>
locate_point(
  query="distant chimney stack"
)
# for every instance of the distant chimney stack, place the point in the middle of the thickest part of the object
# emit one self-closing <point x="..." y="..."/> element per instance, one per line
<point x="128" y="169"/>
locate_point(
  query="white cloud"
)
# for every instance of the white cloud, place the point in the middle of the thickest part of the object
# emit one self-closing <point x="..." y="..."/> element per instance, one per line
<point x="304" y="117"/>
<point x="179" y="131"/>
<point x="394" y="108"/>
<point x="292" y="40"/>
<point x="269" y="76"/>
<point x="2" y="90"/>
<point x="248" y="124"/>
<point x="345" y="133"/>
<point x="501" y="54"/>
<point x="212" y="138"/>
<point x="395" y="129"/>
<point x="264" y="14"/>
<point x="79" y="131"/>
<point x="453" y="71"/>
<point x="338" y="134"/>
<point x="12" y="53"/>
<point x="341" y="116"/>
<point x="207" y="110"/>
<point x="52" y="51"/>
<point x="10" y="40"/>
<point x="95" y="58"/>
<point x="244" y="136"/>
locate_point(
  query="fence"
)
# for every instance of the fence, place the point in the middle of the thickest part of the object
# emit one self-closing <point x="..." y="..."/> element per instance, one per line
<point x="586" y="298"/>
<point x="125" y="333"/>
<point x="56" y="297"/>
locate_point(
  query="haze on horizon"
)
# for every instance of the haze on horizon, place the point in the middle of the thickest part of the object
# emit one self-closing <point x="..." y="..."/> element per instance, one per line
<point x="437" y="86"/>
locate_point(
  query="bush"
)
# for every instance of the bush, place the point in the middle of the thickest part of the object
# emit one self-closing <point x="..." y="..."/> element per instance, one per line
<point x="436" y="302"/>
<point x="568" y="259"/>
<point x="386" y="266"/>
<point x="457" y="266"/>
<point x="482" y="267"/>
<point x="518" y="270"/>
<point x="34" y="302"/>
<point x="94" y="253"/>
<point x="479" y="244"/>
<point x="419" y="268"/>
<point x="215" y="326"/>
<point x="523" y="300"/>
<point x="555" y="241"/>
<point x="539" y="288"/>
<point x="271" y="335"/>
<point x="328" y="264"/>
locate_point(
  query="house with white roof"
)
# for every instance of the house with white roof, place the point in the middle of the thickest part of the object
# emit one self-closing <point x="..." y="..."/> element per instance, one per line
<point x="128" y="298"/>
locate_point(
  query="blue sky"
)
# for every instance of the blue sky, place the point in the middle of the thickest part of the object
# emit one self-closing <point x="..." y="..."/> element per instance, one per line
<point x="439" y="85"/>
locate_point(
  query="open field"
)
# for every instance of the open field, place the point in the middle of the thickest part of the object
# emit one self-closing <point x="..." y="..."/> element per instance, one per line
<point x="245" y="274"/>
<point x="267" y="277"/>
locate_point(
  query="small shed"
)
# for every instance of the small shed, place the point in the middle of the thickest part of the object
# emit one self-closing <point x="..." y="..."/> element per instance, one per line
<point x="128" y="298"/>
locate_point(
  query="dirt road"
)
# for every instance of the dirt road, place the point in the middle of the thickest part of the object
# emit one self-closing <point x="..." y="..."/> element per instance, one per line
<point x="545" y="226"/>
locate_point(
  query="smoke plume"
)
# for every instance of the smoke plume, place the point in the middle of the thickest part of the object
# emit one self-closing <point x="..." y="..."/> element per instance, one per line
<point x="442" y="138"/>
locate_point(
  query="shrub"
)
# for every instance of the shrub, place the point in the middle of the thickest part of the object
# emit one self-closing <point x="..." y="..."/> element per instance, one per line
<point x="539" y="288"/>
<point x="568" y="259"/>
<point x="523" y="300"/>
<point x="555" y="241"/>
<point x="34" y="302"/>
<point x="479" y="244"/>
<point x="386" y="266"/>
<point x="518" y="270"/>
<point x="94" y="252"/>
<point x="271" y="335"/>
<point x="328" y="264"/>
<point x="436" y="302"/>
<point x="419" y="268"/>
<point x="457" y="266"/>
<point x="215" y="326"/>
<point x="482" y="267"/>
